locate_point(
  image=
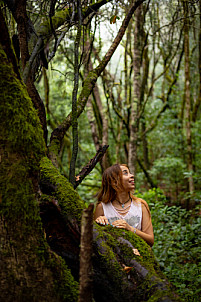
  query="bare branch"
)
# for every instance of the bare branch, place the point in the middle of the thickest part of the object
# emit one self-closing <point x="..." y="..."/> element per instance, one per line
<point x="89" y="167"/>
<point x="88" y="85"/>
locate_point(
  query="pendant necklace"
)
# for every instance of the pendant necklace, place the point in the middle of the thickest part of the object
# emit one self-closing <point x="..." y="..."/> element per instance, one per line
<point x="123" y="204"/>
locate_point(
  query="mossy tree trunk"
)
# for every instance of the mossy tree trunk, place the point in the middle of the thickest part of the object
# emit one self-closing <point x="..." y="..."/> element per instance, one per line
<point x="29" y="270"/>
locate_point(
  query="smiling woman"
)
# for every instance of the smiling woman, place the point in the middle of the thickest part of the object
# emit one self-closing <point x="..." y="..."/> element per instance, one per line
<point x="118" y="206"/>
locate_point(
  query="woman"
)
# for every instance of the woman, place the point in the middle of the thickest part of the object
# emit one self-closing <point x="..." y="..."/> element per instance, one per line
<point x="119" y="208"/>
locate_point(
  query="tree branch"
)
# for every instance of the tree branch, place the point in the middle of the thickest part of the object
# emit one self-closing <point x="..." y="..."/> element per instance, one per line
<point x="74" y="98"/>
<point x="36" y="51"/>
<point x="88" y="85"/>
<point x="89" y="167"/>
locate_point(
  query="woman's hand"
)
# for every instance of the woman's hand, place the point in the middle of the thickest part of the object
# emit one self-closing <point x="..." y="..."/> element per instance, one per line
<point x="102" y="220"/>
<point x="122" y="224"/>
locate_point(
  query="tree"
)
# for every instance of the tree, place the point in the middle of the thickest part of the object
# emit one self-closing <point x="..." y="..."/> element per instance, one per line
<point x="32" y="261"/>
<point x="187" y="97"/>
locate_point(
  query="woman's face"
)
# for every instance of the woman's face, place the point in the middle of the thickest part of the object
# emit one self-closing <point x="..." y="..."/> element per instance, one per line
<point x="127" y="179"/>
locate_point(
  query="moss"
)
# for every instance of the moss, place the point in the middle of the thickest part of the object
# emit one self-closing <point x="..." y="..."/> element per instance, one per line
<point x="87" y="87"/>
<point x="115" y="250"/>
<point x="57" y="20"/>
<point x="68" y="199"/>
<point x="22" y="129"/>
<point x="147" y="258"/>
<point x="26" y="259"/>
<point x="161" y="295"/>
<point x="65" y="285"/>
<point x="22" y="144"/>
<point x="53" y="149"/>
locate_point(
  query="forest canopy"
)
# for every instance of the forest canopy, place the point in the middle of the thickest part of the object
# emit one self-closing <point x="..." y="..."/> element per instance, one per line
<point x="86" y="84"/>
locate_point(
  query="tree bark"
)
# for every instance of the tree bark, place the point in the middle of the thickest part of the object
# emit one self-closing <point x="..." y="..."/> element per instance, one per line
<point x="198" y="100"/>
<point x="92" y="163"/>
<point x="135" y="104"/>
<point x="92" y="122"/>
<point x="74" y="97"/>
<point x="188" y="97"/>
<point x="86" y="273"/>
<point x="24" y="32"/>
<point x="29" y="270"/>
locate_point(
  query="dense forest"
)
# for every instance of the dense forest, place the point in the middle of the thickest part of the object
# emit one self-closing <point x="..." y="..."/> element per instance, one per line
<point x="85" y="84"/>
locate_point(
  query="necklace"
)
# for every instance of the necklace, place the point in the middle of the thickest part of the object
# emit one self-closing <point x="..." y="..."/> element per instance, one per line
<point x="123" y="211"/>
<point x="123" y="203"/>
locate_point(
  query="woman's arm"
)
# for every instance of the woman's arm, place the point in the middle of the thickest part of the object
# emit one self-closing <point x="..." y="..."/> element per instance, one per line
<point x="99" y="215"/>
<point x="147" y="233"/>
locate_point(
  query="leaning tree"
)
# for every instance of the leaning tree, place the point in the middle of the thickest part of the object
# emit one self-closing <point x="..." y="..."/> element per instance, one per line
<point x="50" y="248"/>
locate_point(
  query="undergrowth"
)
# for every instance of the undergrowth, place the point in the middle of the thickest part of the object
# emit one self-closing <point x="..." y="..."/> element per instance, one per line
<point x="177" y="245"/>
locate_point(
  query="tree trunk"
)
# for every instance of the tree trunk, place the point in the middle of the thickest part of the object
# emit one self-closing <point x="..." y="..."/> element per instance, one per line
<point x="92" y="122"/>
<point x="104" y="119"/>
<point x="29" y="270"/>
<point x="187" y="97"/>
<point x="198" y="100"/>
<point x="132" y="155"/>
<point x="86" y="274"/>
<point x="74" y="97"/>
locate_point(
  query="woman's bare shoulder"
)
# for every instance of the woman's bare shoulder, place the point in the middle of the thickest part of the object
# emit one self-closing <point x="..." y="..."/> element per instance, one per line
<point x="99" y="205"/>
<point x="99" y="210"/>
<point x="138" y="199"/>
<point x="144" y="204"/>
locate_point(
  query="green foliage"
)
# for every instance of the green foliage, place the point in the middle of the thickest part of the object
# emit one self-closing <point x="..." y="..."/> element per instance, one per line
<point x="177" y="243"/>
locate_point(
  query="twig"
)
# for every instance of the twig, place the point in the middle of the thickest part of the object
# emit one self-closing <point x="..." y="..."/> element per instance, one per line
<point x="35" y="52"/>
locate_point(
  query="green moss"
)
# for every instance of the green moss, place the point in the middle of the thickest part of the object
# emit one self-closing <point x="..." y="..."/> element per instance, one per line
<point x="65" y="285"/>
<point x="86" y="90"/>
<point x="146" y="257"/>
<point x="162" y="295"/>
<point x="26" y="256"/>
<point x="68" y="199"/>
<point x="53" y="149"/>
<point x="22" y="139"/>
<point x="57" y="20"/>
<point x="115" y="251"/>
<point x="22" y="128"/>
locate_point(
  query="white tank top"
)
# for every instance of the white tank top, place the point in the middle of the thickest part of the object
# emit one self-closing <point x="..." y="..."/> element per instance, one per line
<point x="133" y="217"/>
